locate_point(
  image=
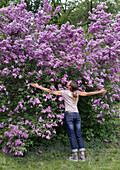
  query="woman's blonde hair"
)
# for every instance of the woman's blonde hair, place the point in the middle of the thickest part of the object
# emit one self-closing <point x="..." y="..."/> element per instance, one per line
<point x="73" y="89"/>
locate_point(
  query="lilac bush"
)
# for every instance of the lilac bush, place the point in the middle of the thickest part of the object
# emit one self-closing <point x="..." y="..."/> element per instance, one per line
<point x="102" y="64"/>
<point x="32" y="50"/>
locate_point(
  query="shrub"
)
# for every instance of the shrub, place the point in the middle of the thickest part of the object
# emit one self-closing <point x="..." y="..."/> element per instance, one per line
<point x="34" y="51"/>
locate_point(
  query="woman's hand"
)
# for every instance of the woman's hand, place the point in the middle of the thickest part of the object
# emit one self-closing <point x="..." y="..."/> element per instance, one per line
<point x="40" y="87"/>
<point x="103" y="90"/>
<point x="35" y="85"/>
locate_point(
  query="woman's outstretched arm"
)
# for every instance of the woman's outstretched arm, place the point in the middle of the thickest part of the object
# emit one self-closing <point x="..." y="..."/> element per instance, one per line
<point x="46" y="89"/>
<point x="40" y="87"/>
<point x="92" y="93"/>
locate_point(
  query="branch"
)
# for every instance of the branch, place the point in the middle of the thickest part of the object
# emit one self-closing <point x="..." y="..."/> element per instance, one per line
<point x="71" y="10"/>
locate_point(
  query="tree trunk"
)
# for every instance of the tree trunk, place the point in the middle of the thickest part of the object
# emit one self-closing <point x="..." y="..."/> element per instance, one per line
<point x="91" y="6"/>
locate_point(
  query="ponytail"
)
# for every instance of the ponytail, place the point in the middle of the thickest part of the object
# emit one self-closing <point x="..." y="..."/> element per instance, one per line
<point x="75" y="96"/>
<point x="74" y="88"/>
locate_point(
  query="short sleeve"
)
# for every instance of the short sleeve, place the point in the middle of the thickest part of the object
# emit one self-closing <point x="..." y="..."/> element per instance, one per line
<point x="78" y="92"/>
<point x="63" y="92"/>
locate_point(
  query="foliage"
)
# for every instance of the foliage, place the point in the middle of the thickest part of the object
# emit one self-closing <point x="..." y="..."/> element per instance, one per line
<point x="80" y="13"/>
<point x="33" y="51"/>
<point x="72" y="11"/>
<point x="98" y="156"/>
<point x="32" y="5"/>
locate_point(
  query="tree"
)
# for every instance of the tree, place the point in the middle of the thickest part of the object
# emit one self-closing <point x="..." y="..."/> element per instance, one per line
<point x="4" y="3"/>
<point x="81" y="11"/>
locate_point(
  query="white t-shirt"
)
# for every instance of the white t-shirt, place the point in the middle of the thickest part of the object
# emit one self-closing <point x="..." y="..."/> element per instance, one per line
<point x="70" y="104"/>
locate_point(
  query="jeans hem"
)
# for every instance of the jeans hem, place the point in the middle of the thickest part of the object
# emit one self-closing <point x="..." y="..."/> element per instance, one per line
<point x="82" y="149"/>
<point x="74" y="150"/>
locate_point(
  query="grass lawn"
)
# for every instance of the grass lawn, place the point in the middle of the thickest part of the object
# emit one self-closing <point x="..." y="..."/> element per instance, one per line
<point x="99" y="156"/>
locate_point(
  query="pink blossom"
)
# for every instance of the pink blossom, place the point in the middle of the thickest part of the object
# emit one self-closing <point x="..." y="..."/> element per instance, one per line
<point x="10" y="119"/>
<point x="20" y="153"/>
<point x="99" y="121"/>
<point x="99" y="115"/>
<point x="1" y="141"/>
<point x="40" y="120"/>
<point x="43" y="125"/>
<point x="106" y="140"/>
<point x="103" y="119"/>
<point x="62" y="123"/>
<point x="8" y="102"/>
<point x="48" y="109"/>
<point x="54" y="99"/>
<point x="48" y="137"/>
<point x="54" y="131"/>
<point x="60" y="98"/>
<point x="56" y="10"/>
<point x="20" y="76"/>
<point x="40" y="151"/>
<point x="4" y="149"/>
<point x="7" y="93"/>
<point x="43" y="136"/>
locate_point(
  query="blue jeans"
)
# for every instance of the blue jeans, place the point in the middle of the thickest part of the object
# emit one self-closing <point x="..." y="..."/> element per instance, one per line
<point x="73" y="126"/>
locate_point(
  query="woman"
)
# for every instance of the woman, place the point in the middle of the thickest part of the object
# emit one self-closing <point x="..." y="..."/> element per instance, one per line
<point x="72" y="117"/>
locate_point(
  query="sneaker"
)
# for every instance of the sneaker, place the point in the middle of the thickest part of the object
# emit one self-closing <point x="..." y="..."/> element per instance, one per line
<point x="73" y="158"/>
<point x="82" y="157"/>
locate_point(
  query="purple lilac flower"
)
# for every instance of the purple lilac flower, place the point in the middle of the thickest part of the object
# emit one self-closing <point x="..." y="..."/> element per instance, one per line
<point x="10" y="119"/>
<point x="5" y="150"/>
<point x="106" y="140"/>
<point x="1" y="141"/>
<point x="48" y="137"/>
<point x="103" y="119"/>
<point x="40" y="151"/>
<point x="99" y="121"/>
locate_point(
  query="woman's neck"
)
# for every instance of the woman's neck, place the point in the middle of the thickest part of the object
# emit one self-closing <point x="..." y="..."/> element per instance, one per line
<point x="69" y="90"/>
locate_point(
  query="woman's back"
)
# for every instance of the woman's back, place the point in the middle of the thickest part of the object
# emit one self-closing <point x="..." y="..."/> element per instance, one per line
<point x="70" y="104"/>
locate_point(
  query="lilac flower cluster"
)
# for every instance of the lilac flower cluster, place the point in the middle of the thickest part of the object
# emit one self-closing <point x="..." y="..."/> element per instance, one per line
<point x="105" y="57"/>
<point x="15" y="146"/>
